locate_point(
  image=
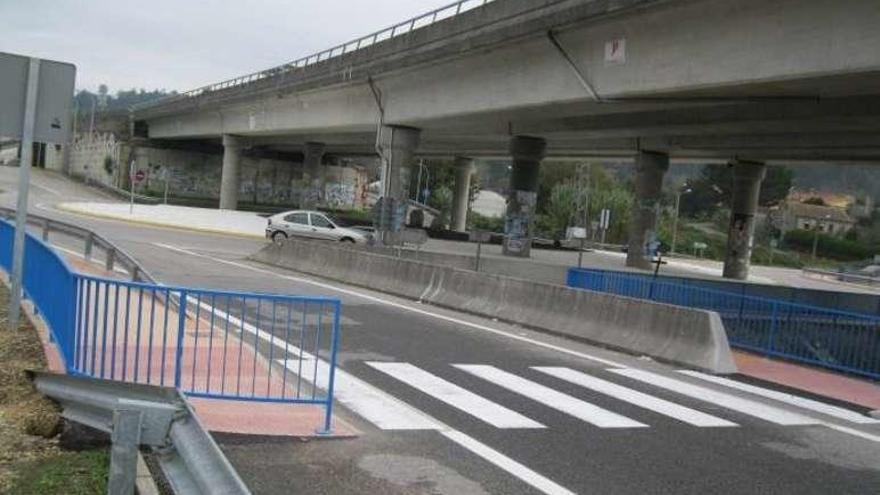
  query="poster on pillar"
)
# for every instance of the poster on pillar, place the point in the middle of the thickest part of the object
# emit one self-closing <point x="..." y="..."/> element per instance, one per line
<point x="517" y="227"/>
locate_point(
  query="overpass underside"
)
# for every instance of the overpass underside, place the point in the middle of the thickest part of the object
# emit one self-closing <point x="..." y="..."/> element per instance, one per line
<point x="748" y="81"/>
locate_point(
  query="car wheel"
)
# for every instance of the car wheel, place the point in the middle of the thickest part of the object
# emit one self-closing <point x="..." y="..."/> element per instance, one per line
<point x="279" y="238"/>
<point x="347" y="240"/>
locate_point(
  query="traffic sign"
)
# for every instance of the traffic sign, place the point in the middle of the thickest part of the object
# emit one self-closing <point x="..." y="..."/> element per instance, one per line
<point x="140" y="176"/>
<point x="54" y="97"/>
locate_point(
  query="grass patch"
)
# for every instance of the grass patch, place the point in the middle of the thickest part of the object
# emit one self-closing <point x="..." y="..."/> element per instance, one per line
<point x="69" y="473"/>
<point x="31" y="461"/>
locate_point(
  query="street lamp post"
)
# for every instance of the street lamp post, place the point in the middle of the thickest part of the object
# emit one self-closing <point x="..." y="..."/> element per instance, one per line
<point x="678" y="194"/>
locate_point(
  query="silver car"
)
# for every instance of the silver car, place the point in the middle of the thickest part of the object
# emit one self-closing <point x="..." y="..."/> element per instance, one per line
<point x="311" y="225"/>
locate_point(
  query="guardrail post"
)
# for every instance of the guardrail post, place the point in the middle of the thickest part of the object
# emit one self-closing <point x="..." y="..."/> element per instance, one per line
<point x="111" y="259"/>
<point x="124" y="452"/>
<point x="90" y="242"/>
<point x="181" y="330"/>
<point x="45" y="230"/>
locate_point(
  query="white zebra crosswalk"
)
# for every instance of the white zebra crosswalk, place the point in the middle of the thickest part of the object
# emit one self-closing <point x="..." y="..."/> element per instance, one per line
<point x="469" y="402"/>
<point x="387" y="411"/>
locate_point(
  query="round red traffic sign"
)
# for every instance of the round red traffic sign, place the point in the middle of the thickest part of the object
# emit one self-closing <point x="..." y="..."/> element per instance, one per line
<point x="139" y="176"/>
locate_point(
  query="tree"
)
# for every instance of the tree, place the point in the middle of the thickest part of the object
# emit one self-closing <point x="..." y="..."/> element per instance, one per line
<point x="713" y="189"/>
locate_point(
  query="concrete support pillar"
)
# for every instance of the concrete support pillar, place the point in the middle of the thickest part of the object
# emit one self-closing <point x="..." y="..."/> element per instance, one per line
<point x="229" y="180"/>
<point x="650" y="169"/>
<point x="527" y="153"/>
<point x="398" y="146"/>
<point x="747" y="177"/>
<point x="313" y="174"/>
<point x="464" y="169"/>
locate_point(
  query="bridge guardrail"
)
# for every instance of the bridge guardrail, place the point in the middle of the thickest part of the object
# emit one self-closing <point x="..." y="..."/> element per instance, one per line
<point x="399" y="29"/>
<point x="206" y="343"/>
<point x="839" y="340"/>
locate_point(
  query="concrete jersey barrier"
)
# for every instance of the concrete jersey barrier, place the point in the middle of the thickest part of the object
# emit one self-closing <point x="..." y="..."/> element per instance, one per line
<point x="685" y="336"/>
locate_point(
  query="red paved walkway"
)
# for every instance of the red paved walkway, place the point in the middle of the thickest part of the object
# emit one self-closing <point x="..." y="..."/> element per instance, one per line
<point x="813" y="380"/>
<point x="234" y="366"/>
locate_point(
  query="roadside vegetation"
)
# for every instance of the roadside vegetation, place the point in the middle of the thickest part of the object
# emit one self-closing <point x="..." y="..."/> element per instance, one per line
<point x="31" y="461"/>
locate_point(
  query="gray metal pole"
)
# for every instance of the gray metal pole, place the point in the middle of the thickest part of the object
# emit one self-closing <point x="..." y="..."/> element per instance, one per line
<point x="131" y="187"/>
<point x="675" y="222"/>
<point x="124" y="451"/>
<point x="24" y="178"/>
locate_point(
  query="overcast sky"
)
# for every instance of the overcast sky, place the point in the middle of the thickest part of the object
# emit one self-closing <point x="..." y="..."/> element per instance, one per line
<point x="183" y="44"/>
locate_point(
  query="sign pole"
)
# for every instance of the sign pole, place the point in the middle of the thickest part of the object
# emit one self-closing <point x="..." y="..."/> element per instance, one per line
<point x="24" y="178"/>
<point x="131" y="187"/>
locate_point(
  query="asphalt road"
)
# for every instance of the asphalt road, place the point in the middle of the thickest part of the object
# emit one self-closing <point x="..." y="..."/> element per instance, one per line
<point x="629" y="433"/>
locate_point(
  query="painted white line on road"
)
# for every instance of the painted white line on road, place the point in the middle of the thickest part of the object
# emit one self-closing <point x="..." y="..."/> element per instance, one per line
<point x="381" y="409"/>
<point x="551" y="398"/>
<point x="813" y="405"/>
<point x="457" y="397"/>
<point x="79" y="255"/>
<point x="739" y="404"/>
<point x="46" y="188"/>
<point x="397" y="305"/>
<point x="523" y="473"/>
<point x="853" y="431"/>
<point x="369" y="398"/>
<point x="681" y="413"/>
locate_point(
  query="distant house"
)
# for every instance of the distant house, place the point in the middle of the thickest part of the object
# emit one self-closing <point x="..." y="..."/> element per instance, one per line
<point x="827" y="219"/>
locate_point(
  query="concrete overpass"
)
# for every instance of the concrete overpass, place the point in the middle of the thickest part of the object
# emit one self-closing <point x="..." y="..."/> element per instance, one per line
<point x="746" y="81"/>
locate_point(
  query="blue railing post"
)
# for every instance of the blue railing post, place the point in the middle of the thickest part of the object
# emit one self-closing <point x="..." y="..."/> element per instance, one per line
<point x="331" y="379"/>
<point x="181" y="331"/>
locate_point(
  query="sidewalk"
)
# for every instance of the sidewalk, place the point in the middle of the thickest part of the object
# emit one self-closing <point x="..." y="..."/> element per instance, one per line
<point x="218" y="415"/>
<point x="239" y="223"/>
<point x="809" y="379"/>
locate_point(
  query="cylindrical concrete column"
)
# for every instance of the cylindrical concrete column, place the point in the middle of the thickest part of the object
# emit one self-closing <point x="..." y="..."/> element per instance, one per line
<point x="527" y="153"/>
<point x="313" y="174"/>
<point x="229" y="180"/>
<point x="464" y="169"/>
<point x="747" y="177"/>
<point x="650" y="169"/>
<point x="398" y="146"/>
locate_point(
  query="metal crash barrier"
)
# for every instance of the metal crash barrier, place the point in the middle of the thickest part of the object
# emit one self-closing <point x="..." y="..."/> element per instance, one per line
<point x="840" y="340"/>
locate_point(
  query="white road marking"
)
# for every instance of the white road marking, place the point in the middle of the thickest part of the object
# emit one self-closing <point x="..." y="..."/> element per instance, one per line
<point x="681" y="413"/>
<point x="397" y="305"/>
<point x="551" y="398"/>
<point x="497" y="458"/>
<point x="369" y="397"/>
<point x="80" y="255"/>
<point x="853" y="431"/>
<point x="457" y="397"/>
<point x="377" y="407"/>
<point x="46" y="188"/>
<point x="794" y="400"/>
<point x="744" y="406"/>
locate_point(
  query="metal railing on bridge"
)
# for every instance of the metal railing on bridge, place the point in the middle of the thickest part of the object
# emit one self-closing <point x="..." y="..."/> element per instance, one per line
<point x="207" y="343"/>
<point x="839" y="340"/>
<point x="399" y="29"/>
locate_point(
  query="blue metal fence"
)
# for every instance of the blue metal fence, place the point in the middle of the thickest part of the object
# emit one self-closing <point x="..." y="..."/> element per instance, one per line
<point x="207" y="343"/>
<point x="839" y="340"/>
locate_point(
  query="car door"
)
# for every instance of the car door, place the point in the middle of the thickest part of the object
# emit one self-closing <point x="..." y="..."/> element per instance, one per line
<point x="322" y="228"/>
<point x="297" y="225"/>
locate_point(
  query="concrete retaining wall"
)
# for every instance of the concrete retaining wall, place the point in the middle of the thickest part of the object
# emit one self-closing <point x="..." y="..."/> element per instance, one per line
<point x="693" y="338"/>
